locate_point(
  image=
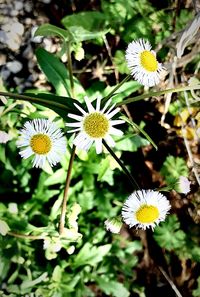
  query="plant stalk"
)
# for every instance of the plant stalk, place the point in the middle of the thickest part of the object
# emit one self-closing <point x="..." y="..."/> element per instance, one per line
<point x="24" y="236"/>
<point x="154" y="94"/>
<point x="69" y="60"/>
<point x="129" y="175"/>
<point x="65" y="196"/>
<point x="116" y="88"/>
<point x="29" y="98"/>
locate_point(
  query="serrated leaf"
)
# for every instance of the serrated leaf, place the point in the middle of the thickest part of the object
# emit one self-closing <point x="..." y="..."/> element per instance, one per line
<point x="168" y="235"/>
<point x="173" y="168"/>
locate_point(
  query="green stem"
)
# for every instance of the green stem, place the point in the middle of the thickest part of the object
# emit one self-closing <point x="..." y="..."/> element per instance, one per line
<point x="69" y="60"/>
<point x="154" y="94"/>
<point x="24" y="236"/>
<point x="33" y="99"/>
<point x="116" y="88"/>
<point x="130" y="177"/>
<point x="65" y="196"/>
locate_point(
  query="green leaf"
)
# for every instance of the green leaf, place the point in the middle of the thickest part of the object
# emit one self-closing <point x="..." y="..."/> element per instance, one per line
<point x="85" y="25"/>
<point x="65" y="104"/>
<point x="103" y="167"/>
<point x="32" y="283"/>
<point x="4" y="228"/>
<point x="120" y="62"/>
<point x="168" y="235"/>
<point x="125" y="90"/>
<point x="51" y="30"/>
<point x="113" y="288"/>
<point x="91" y="255"/>
<point x="135" y="126"/>
<point x="173" y="168"/>
<point x="131" y="143"/>
<point x="57" y="74"/>
<point x="196" y="292"/>
<point x="55" y="71"/>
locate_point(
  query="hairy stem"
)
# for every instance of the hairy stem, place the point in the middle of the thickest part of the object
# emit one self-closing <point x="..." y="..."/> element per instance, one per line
<point x="130" y="177"/>
<point x="65" y="196"/>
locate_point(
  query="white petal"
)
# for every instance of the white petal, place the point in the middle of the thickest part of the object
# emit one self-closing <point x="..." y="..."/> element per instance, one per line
<point x="89" y="105"/>
<point x="98" y="144"/>
<point x="110" y="141"/>
<point x="80" y="109"/>
<point x="114" y="131"/>
<point x="75" y="117"/>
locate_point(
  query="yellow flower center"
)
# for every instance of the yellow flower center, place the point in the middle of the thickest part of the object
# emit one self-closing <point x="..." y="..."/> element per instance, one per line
<point x="147" y="214"/>
<point x="148" y="61"/>
<point x="40" y="144"/>
<point x="96" y="125"/>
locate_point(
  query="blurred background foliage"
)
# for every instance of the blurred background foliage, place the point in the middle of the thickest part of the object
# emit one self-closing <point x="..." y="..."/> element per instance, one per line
<point x="90" y="261"/>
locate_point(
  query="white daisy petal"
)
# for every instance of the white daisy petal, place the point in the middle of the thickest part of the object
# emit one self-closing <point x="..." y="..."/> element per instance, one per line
<point x="95" y="125"/>
<point x="145" y="209"/>
<point x="114" y="131"/>
<point x="42" y="139"/>
<point x="106" y="105"/>
<point x="80" y="108"/>
<point x="98" y="143"/>
<point x="110" y="141"/>
<point x="142" y="63"/>
<point x="117" y="122"/>
<point x="112" y="113"/>
<point x="74" y="116"/>
<point x="73" y="130"/>
<point x="98" y="104"/>
<point x="75" y="124"/>
<point x="89" y="105"/>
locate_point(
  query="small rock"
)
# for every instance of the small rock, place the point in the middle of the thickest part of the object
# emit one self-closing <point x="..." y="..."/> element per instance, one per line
<point x="14" y="66"/>
<point x="28" y="52"/>
<point x="13" y="41"/>
<point x="5" y="74"/>
<point x="2" y="60"/>
<point x="14" y="12"/>
<point x="17" y="28"/>
<point x="18" y="5"/>
<point x="2" y="36"/>
<point x="28" y="6"/>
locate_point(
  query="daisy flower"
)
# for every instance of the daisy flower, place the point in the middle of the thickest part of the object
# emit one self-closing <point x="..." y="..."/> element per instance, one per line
<point x="143" y="63"/>
<point x="145" y="209"/>
<point x="113" y="225"/>
<point x="42" y="139"/>
<point x="95" y="125"/>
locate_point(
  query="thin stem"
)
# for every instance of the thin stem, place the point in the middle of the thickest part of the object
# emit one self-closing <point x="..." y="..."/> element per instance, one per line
<point x="65" y="196"/>
<point x="33" y="99"/>
<point x="153" y="94"/>
<point x="24" y="236"/>
<point x="178" y="294"/>
<point x="69" y="59"/>
<point x="130" y="177"/>
<point x="116" y="88"/>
